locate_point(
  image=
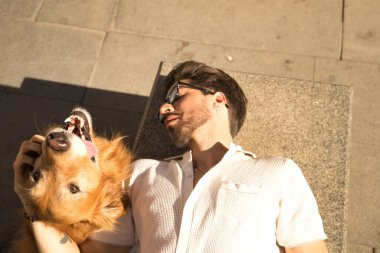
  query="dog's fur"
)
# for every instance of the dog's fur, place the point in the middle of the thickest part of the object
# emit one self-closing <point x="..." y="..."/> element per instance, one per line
<point x="74" y="192"/>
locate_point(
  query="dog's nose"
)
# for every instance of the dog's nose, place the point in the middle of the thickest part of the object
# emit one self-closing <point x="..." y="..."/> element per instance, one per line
<point x="58" y="141"/>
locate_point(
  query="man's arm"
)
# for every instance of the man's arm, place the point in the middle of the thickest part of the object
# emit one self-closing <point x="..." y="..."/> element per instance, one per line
<point x="314" y="247"/>
<point x="94" y="246"/>
<point x="51" y="240"/>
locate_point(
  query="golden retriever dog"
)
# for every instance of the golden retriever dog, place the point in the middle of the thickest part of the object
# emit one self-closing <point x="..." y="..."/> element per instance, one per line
<point x="78" y="182"/>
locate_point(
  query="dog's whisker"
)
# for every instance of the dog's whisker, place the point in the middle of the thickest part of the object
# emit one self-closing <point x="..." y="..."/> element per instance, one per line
<point x="38" y="130"/>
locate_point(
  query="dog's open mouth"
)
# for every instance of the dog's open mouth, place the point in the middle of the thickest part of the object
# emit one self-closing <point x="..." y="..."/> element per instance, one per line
<point x="78" y="124"/>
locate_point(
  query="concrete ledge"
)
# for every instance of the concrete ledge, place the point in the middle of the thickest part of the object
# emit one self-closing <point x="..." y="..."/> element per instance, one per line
<point x="306" y="121"/>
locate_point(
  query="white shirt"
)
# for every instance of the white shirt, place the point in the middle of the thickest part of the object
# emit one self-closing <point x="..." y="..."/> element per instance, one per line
<point x="242" y="204"/>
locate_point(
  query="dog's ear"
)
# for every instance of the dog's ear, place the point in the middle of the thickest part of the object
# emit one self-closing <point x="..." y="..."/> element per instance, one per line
<point x="110" y="209"/>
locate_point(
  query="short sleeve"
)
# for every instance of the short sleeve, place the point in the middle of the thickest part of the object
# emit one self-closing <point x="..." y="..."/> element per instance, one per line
<point x="123" y="234"/>
<point x="299" y="221"/>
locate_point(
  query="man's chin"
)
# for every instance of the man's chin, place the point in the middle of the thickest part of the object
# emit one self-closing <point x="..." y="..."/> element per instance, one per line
<point x="179" y="138"/>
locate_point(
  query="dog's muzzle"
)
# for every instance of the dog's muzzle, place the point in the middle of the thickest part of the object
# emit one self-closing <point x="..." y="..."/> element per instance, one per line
<point x="58" y="141"/>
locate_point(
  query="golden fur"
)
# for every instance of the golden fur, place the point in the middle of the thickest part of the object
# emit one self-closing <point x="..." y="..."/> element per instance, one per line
<point x="98" y="202"/>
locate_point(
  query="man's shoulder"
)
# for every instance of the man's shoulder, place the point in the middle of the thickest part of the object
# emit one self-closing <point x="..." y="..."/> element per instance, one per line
<point x="271" y="165"/>
<point x="141" y="165"/>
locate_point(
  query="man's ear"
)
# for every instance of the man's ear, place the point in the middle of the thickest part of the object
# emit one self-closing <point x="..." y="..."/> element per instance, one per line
<point x="220" y="99"/>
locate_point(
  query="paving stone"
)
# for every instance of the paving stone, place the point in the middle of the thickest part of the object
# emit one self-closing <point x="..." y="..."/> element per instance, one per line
<point x="306" y="121"/>
<point x="108" y="121"/>
<point x="300" y="27"/>
<point x="19" y="8"/>
<point x="46" y="52"/>
<point x="95" y="14"/>
<point x="355" y="248"/>
<point x="128" y="63"/>
<point x="115" y="100"/>
<point x="363" y="212"/>
<point x="362" y="31"/>
<point x="365" y="80"/>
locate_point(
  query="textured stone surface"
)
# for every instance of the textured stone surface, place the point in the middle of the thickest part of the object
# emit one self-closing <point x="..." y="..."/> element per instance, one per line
<point x="279" y="26"/>
<point x="364" y="213"/>
<point x="128" y="63"/>
<point x="365" y="80"/>
<point x="95" y="14"/>
<point x="362" y="31"/>
<point x="355" y="248"/>
<point x="46" y="52"/>
<point x="305" y="121"/>
<point x="19" y="8"/>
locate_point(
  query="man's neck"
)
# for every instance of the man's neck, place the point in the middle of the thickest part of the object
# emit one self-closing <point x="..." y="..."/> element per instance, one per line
<point x="207" y="155"/>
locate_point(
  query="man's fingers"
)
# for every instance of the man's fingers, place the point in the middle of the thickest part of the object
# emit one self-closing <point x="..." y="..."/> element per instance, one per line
<point x="30" y="146"/>
<point x="37" y="139"/>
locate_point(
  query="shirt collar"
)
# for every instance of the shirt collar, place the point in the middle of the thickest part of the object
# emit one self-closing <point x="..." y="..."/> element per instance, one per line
<point x="186" y="159"/>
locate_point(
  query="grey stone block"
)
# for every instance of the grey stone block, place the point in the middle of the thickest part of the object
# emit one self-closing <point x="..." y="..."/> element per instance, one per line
<point x="355" y="248"/>
<point x="108" y="121"/>
<point x="364" y="212"/>
<point x="47" y="52"/>
<point x="361" y="30"/>
<point x="19" y="8"/>
<point x="297" y="27"/>
<point x="114" y="100"/>
<point x="306" y="121"/>
<point x="127" y="62"/>
<point x="365" y="79"/>
<point x="96" y="14"/>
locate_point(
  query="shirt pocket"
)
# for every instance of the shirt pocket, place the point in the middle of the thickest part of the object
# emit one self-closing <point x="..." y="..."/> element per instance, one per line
<point x="238" y="206"/>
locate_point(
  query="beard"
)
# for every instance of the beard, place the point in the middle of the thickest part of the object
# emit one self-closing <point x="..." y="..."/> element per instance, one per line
<point x="182" y="133"/>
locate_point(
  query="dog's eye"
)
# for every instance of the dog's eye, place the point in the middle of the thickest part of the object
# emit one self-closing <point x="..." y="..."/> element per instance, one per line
<point x="36" y="176"/>
<point x="73" y="188"/>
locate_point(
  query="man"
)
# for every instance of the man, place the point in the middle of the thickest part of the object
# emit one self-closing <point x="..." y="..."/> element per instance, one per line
<point x="216" y="197"/>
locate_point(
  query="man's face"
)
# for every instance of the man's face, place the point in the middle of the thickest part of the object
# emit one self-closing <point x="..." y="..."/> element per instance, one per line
<point x="185" y="115"/>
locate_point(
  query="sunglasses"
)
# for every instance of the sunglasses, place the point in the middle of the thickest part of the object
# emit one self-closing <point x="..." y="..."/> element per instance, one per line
<point x="173" y="95"/>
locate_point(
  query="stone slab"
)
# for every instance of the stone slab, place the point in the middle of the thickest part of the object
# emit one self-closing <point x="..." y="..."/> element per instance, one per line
<point x="95" y="14"/>
<point x="306" y="121"/>
<point x="127" y="63"/>
<point x="47" y="52"/>
<point x="108" y="121"/>
<point x="114" y="100"/>
<point x="361" y="40"/>
<point x="277" y="26"/>
<point x="25" y="9"/>
<point x="365" y="80"/>
<point x="355" y="248"/>
<point x="364" y="212"/>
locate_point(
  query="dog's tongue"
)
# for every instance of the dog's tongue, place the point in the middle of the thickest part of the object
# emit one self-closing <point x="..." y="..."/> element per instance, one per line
<point x="92" y="150"/>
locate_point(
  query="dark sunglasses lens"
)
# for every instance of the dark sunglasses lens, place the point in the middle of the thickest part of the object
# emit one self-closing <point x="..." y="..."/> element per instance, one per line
<point x="172" y="95"/>
<point x="160" y="117"/>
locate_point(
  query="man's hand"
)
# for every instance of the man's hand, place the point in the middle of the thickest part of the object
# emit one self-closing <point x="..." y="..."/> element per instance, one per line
<point x="314" y="247"/>
<point x="29" y="150"/>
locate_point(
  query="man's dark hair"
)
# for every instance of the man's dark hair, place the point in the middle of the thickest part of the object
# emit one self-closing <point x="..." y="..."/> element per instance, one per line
<point x="216" y="80"/>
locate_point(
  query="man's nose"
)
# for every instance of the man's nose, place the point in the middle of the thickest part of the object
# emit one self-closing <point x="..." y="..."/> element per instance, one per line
<point x="166" y="108"/>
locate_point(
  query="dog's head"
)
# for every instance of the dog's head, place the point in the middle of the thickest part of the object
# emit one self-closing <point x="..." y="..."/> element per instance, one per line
<point x="77" y="182"/>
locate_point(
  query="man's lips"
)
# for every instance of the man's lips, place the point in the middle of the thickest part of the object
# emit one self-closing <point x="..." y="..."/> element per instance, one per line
<point x="171" y="117"/>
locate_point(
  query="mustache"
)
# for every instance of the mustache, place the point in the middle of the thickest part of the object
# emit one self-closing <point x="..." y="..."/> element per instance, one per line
<point x="162" y="117"/>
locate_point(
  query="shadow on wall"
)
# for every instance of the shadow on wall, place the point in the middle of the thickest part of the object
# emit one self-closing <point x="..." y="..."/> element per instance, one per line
<point x="38" y="104"/>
